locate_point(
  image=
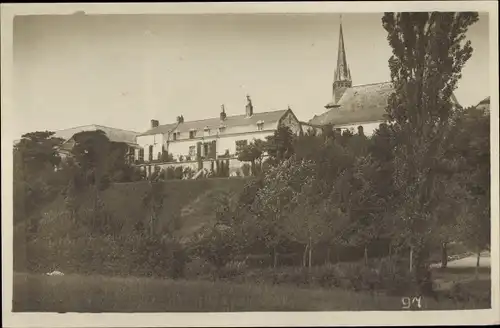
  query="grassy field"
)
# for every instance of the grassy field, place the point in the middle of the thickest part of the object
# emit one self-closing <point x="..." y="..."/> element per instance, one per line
<point x="77" y="293"/>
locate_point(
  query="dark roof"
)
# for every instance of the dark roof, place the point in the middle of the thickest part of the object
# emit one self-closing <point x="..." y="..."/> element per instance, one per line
<point x="362" y="103"/>
<point x="115" y="135"/>
<point x="485" y="101"/>
<point x="310" y="124"/>
<point x="211" y="123"/>
<point x="484" y="104"/>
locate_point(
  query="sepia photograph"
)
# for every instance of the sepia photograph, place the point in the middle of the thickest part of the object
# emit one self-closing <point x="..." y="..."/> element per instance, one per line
<point x="252" y="162"/>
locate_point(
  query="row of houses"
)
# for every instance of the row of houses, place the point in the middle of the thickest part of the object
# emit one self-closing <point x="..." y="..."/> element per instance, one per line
<point x="183" y="143"/>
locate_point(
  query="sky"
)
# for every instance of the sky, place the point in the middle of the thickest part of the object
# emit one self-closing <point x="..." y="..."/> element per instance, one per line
<point x="124" y="70"/>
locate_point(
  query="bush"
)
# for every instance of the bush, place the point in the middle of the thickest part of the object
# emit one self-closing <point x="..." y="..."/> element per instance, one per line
<point x="382" y="275"/>
<point x="477" y="291"/>
<point x="178" y="173"/>
<point x="216" y="245"/>
<point x="157" y="256"/>
<point x="245" y="169"/>
<point x="170" y="173"/>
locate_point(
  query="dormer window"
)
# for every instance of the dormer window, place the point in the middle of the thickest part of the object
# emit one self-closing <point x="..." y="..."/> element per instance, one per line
<point x="192" y="134"/>
<point x="260" y="125"/>
<point x="174" y="136"/>
<point x="222" y="129"/>
<point x="206" y="130"/>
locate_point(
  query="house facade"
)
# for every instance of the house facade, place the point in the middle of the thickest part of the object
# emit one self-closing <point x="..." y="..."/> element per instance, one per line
<point x="355" y="108"/>
<point x="188" y="142"/>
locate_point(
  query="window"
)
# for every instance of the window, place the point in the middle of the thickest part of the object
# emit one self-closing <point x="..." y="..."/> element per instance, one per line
<point x="205" y="149"/>
<point x="130" y="155"/>
<point x="174" y="136"/>
<point x="222" y="129"/>
<point x="141" y="155"/>
<point x="192" y="151"/>
<point x="192" y="134"/>
<point x="150" y="153"/>
<point x="240" y="144"/>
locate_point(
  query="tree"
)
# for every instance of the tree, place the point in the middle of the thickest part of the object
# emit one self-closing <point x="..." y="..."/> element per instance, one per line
<point x="279" y="146"/>
<point x="251" y="153"/>
<point x="429" y="51"/>
<point x="470" y="153"/>
<point x="36" y="180"/>
<point x="91" y="151"/>
<point x="38" y="150"/>
<point x="273" y="201"/>
<point x="315" y="219"/>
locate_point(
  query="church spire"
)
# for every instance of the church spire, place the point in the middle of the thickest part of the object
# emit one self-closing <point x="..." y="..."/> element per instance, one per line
<point x="342" y="72"/>
<point x="342" y="77"/>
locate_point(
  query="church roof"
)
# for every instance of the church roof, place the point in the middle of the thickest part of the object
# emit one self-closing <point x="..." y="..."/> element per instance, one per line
<point x="114" y="135"/>
<point x="484" y="104"/>
<point x="360" y="104"/>
<point x="214" y="123"/>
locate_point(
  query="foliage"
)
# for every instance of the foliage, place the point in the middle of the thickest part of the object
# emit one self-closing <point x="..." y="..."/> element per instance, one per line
<point x="218" y="245"/>
<point x="153" y="204"/>
<point x="279" y="146"/>
<point x="166" y="156"/>
<point x="429" y="51"/>
<point x="470" y="159"/>
<point x="253" y="153"/>
<point x="246" y="170"/>
<point x="36" y="178"/>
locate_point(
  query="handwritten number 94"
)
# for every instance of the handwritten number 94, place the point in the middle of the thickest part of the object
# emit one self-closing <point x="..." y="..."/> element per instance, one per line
<point x="411" y="302"/>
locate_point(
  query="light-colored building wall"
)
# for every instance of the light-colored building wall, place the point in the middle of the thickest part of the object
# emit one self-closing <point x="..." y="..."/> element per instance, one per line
<point x="178" y="148"/>
<point x="225" y="138"/>
<point x="229" y="142"/>
<point x="223" y="143"/>
<point x="368" y="127"/>
<point x="150" y="140"/>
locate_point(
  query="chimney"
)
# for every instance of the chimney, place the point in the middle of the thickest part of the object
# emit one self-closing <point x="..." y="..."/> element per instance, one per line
<point x="249" y="107"/>
<point x="223" y="113"/>
<point x="180" y="119"/>
<point x="154" y="124"/>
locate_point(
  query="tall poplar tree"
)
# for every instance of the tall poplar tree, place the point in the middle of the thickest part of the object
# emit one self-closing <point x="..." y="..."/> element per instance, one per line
<point x="429" y="52"/>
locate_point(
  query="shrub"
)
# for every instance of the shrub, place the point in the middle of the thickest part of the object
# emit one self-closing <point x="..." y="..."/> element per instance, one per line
<point x="245" y="169"/>
<point x="178" y="173"/>
<point x="383" y="275"/>
<point x="476" y="291"/>
<point x="218" y="245"/>
<point x="188" y="172"/>
<point x="170" y="173"/>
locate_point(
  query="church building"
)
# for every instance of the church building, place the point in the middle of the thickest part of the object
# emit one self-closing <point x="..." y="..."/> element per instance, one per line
<point x="358" y="107"/>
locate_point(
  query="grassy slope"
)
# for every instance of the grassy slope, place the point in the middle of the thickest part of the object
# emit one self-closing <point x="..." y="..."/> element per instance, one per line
<point x="76" y="293"/>
<point x="192" y="200"/>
